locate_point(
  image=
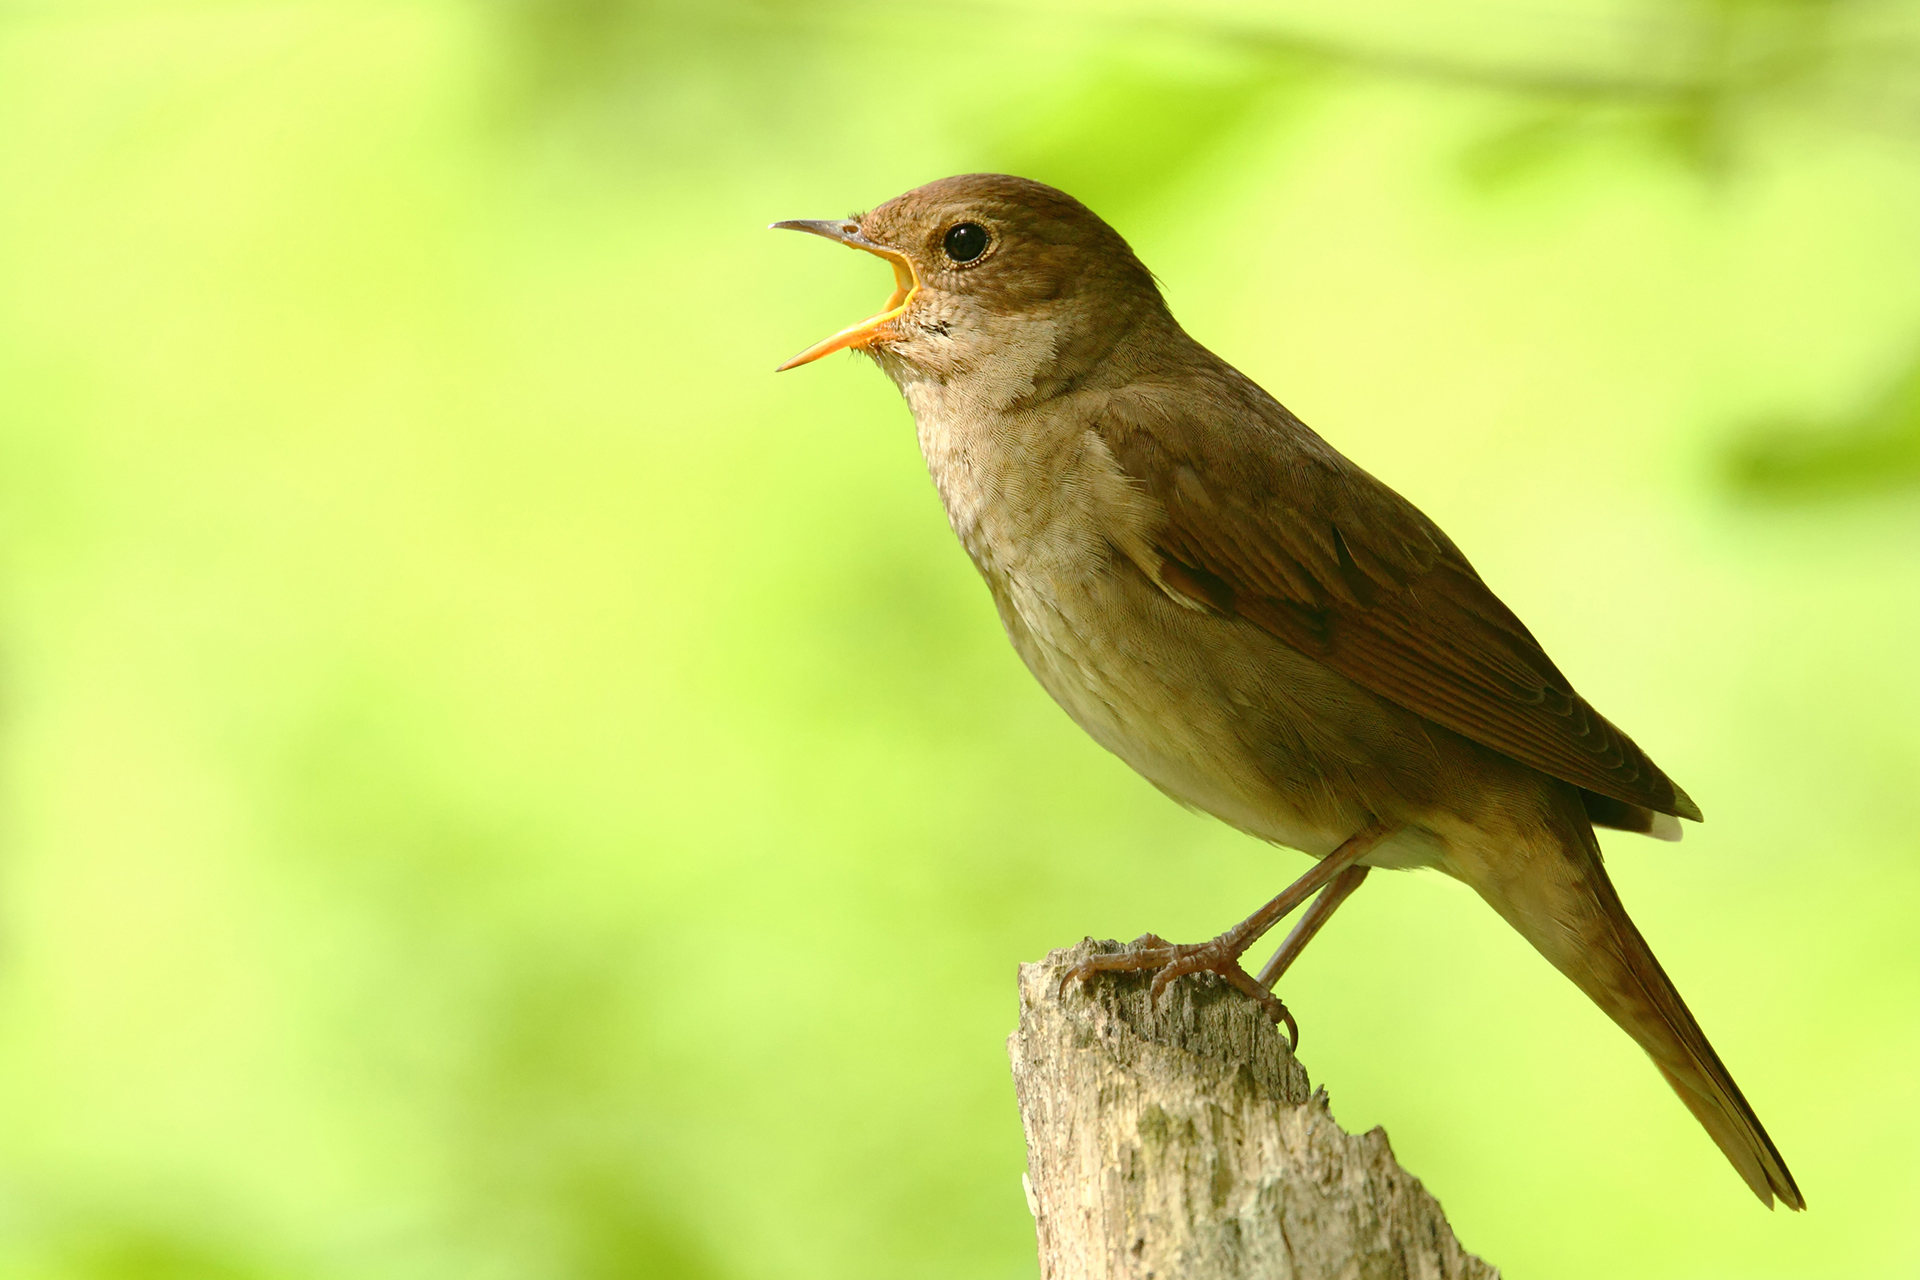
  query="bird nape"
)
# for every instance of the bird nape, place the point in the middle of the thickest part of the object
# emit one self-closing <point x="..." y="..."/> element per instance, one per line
<point x="1251" y="621"/>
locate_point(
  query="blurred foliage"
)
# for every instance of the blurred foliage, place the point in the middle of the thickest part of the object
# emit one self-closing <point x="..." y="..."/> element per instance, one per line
<point x="1134" y="124"/>
<point x="145" y="1254"/>
<point x="493" y="783"/>
<point x="566" y="51"/>
<point x="1872" y="452"/>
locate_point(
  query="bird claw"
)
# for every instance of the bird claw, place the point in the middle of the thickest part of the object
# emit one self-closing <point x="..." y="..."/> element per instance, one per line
<point x="1148" y="951"/>
<point x="1173" y="960"/>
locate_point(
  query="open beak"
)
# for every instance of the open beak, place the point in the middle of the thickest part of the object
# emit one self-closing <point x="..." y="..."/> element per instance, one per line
<point x="905" y="285"/>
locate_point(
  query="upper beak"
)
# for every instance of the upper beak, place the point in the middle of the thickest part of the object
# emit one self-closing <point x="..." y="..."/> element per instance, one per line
<point x="905" y="285"/>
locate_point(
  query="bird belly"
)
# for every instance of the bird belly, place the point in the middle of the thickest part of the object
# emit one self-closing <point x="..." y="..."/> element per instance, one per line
<point x="1214" y="715"/>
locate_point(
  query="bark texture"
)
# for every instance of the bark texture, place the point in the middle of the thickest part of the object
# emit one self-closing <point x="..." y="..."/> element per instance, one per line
<point x="1185" y="1143"/>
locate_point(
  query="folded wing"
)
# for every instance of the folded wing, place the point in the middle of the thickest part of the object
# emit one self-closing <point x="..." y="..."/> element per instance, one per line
<point x="1270" y="523"/>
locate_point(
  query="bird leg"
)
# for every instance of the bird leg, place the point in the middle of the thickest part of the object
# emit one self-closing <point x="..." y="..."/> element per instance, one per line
<point x="1316" y="915"/>
<point x="1222" y="954"/>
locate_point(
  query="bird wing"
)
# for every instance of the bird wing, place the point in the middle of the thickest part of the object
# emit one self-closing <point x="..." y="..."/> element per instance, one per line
<point x="1268" y="522"/>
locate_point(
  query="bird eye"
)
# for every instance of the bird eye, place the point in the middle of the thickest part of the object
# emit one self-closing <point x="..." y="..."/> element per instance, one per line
<point x="966" y="241"/>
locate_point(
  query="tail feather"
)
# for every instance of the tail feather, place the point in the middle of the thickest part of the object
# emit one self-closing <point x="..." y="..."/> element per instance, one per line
<point x="1647" y="1006"/>
<point x="1561" y="900"/>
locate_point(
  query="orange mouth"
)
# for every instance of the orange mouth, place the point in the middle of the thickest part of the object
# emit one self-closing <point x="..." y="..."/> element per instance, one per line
<point x="905" y="286"/>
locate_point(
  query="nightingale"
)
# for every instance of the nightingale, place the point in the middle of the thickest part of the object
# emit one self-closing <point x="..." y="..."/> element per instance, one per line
<point x="1256" y="625"/>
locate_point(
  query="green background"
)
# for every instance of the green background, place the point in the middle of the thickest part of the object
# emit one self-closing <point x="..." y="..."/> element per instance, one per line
<point x="495" y="783"/>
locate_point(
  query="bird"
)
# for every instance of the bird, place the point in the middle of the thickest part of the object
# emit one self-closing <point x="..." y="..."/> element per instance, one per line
<point x="1255" y="624"/>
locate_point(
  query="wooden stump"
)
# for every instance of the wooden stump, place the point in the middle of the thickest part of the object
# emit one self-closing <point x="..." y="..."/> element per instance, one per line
<point x="1185" y="1143"/>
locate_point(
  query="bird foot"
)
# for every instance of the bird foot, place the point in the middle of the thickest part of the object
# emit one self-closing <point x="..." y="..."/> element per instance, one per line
<point x="1170" y="960"/>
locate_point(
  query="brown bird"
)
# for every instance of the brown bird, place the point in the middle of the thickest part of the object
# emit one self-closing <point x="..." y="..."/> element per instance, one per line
<point x="1259" y="627"/>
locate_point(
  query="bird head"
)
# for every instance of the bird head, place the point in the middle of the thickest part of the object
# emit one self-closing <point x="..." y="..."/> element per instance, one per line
<point x="994" y="276"/>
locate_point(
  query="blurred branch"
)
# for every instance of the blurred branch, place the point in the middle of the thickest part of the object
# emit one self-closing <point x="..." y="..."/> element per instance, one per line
<point x="1183" y="1139"/>
<point x="1685" y="79"/>
<point x="1684" y="74"/>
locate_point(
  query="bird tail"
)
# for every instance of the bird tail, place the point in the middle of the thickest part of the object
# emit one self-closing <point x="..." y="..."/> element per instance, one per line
<point x="1569" y="910"/>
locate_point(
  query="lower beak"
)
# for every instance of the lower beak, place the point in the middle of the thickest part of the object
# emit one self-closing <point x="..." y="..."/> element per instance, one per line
<point x="905" y="285"/>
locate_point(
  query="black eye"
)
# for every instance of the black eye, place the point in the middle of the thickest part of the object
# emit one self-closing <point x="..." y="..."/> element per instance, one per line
<point x="966" y="241"/>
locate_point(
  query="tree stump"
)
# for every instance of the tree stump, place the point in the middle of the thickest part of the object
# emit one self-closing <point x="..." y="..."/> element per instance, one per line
<point x="1184" y="1142"/>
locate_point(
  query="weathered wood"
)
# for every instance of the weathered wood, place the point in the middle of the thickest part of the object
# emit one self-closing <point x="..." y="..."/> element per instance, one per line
<point x="1185" y="1143"/>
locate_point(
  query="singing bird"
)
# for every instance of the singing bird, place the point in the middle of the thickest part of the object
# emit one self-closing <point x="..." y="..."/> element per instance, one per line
<point x="1256" y="625"/>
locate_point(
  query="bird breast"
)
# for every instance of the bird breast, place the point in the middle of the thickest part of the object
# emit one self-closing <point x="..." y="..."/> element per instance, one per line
<point x="1035" y="498"/>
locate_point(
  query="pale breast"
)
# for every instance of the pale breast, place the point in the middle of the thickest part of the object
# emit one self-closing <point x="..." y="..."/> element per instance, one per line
<point x="1022" y="499"/>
